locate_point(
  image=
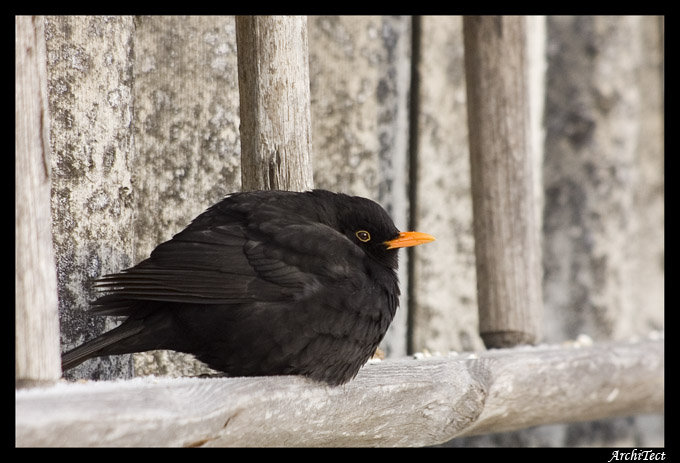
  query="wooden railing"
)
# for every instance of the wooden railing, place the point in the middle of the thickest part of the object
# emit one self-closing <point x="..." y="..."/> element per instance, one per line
<point x="403" y="402"/>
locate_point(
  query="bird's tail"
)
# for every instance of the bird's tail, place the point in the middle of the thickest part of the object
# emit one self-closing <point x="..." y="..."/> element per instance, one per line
<point x="102" y="345"/>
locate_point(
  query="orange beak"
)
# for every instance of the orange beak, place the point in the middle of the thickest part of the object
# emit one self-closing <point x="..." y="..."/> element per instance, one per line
<point x="407" y="239"/>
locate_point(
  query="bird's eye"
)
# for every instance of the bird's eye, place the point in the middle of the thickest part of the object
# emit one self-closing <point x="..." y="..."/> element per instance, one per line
<point x="363" y="235"/>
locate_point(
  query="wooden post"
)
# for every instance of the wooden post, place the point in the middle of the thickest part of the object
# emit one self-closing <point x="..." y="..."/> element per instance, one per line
<point x="506" y="240"/>
<point x="273" y="71"/>
<point x="36" y="354"/>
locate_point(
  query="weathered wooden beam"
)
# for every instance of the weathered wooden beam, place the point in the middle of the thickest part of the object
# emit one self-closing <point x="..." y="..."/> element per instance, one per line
<point x="273" y="72"/>
<point x="402" y="402"/>
<point x="36" y="354"/>
<point x="507" y="246"/>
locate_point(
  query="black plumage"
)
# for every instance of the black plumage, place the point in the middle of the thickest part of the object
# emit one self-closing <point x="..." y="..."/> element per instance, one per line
<point x="263" y="283"/>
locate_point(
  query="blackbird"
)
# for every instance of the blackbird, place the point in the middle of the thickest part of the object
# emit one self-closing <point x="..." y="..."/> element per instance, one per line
<point x="263" y="283"/>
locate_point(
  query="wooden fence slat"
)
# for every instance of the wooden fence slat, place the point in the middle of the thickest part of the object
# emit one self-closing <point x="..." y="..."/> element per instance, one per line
<point x="276" y="134"/>
<point x="506" y="237"/>
<point x="403" y="402"/>
<point x="37" y="350"/>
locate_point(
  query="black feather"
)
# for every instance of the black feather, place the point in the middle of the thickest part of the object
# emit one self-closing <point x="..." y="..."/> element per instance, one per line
<point x="262" y="283"/>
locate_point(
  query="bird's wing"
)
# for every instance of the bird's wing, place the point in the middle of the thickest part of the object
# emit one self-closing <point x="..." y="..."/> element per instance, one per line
<point x="235" y="261"/>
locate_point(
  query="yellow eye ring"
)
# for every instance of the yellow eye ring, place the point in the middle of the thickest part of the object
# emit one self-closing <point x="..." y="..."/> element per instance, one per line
<point x="363" y="235"/>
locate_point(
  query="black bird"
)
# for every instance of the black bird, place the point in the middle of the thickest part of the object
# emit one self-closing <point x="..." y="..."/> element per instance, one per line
<point x="263" y="283"/>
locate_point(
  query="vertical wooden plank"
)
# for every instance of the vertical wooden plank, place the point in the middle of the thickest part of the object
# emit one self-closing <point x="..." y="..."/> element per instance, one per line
<point x="604" y="177"/>
<point x="647" y="271"/>
<point x="444" y="296"/>
<point x="537" y="64"/>
<point x="186" y="137"/>
<point x="360" y="79"/>
<point x="37" y="354"/>
<point x="273" y="70"/>
<point x="506" y="239"/>
<point x="90" y="86"/>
